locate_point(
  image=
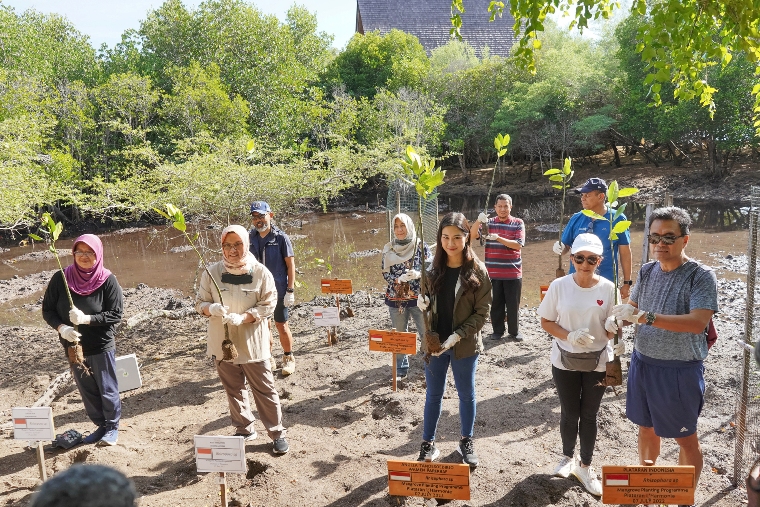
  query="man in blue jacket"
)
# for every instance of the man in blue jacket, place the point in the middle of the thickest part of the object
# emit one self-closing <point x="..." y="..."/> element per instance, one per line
<point x="273" y="249"/>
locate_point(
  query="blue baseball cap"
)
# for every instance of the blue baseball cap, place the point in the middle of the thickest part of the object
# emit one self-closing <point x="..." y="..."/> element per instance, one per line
<point x="260" y="207"/>
<point x="591" y="185"/>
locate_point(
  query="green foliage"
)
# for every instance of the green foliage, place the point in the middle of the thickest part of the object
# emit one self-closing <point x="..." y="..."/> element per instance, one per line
<point x="422" y="173"/>
<point x="371" y="61"/>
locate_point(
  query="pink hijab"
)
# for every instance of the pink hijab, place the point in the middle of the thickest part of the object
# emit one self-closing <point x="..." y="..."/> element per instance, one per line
<point x="247" y="261"/>
<point x="84" y="282"/>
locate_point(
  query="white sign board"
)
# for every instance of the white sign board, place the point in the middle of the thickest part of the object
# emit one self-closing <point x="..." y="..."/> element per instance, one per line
<point x="128" y="373"/>
<point x="328" y="316"/>
<point x="220" y="454"/>
<point x="33" y="423"/>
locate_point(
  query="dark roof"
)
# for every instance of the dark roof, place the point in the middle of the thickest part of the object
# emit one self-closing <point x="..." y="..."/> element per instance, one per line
<point x="429" y="21"/>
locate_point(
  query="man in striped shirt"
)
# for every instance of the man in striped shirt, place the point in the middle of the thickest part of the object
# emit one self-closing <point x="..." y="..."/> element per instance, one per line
<point x="505" y="238"/>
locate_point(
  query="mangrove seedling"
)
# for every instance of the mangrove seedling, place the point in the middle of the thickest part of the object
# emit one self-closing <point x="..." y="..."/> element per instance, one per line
<point x="500" y="142"/>
<point x="561" y="181"/>
<point x="54" y="229"/>
<point x="178" y="222"/>
<point x="614" y="194"/>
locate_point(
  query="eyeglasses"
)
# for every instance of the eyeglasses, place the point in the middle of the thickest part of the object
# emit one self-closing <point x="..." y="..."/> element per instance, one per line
<point x="89" y="255"/>
<point x="591" y="259"/>
<point x="667" y="239"/>
<point x="236" y="246"/>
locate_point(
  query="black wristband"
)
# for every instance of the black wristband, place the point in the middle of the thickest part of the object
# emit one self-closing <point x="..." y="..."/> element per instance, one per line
<point x="650" y="318"/>
<point x="289" y="290"/>
<point x="627" y="282"/>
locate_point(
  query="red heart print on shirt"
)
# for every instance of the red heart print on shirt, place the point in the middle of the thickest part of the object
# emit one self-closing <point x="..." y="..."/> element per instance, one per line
<point x="599" y="302"/>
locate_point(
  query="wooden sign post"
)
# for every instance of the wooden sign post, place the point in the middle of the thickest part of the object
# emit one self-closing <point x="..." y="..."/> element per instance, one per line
<point x="222" y="455"/>
<point x="429" y="480"/>
<point x="335" y="286"/>
<point x="394" y="342"/>
<point x="648" y="485"/>
<point x="35" y="425"/>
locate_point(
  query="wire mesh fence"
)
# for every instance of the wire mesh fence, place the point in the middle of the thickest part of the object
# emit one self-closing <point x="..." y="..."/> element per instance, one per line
<point x="403" y="198"/>
<point x="747" y="446"/>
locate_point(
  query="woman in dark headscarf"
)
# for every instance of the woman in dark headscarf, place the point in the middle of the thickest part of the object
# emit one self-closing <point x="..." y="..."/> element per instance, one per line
<point x="98" y="307"/>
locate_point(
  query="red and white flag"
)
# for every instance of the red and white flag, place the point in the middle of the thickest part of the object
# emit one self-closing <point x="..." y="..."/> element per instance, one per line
<point x="400" y="476"/>
<point x="616" y="479"/>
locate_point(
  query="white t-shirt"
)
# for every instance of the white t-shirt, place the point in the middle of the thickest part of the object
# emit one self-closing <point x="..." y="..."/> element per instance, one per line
<point x="574" y="307"/>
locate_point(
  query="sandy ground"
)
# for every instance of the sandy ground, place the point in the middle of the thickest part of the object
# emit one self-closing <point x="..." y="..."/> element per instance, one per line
<point x="343" y="420"/>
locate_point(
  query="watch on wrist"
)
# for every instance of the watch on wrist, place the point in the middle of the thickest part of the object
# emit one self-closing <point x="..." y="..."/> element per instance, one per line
<point x="650" y="318"/>
<point x="627" y="282"/>
<point x="289" y="290"/>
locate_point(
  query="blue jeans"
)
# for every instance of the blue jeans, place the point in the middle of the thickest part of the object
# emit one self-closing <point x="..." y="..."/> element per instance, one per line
<point x="464" y="380"/>
<point x="100" y="389"/>
<point x="400" y="321"/>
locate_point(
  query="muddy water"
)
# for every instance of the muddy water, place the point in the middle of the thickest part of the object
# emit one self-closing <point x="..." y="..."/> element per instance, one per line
<point x="326" y="246"/>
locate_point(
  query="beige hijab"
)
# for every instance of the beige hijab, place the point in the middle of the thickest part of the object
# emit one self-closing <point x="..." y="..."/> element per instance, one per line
<point x="398" y="251"/>
<point x="247" y="261"/>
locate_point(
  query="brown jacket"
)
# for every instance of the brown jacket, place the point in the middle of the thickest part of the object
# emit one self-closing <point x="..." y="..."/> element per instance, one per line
<point x="470" y="312"/>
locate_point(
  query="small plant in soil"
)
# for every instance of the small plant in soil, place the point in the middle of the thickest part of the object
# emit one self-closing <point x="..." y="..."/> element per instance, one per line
<point x="178" y="222"/>
<point x="54" y="230"/>
<point x="560" y="179"/>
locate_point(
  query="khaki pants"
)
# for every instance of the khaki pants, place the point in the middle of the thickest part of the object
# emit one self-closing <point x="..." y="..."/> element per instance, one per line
<point x="261" y="382"/>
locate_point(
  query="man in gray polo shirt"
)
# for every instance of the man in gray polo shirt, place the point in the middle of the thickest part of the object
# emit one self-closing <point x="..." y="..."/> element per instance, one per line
<point x="673" y="301"/>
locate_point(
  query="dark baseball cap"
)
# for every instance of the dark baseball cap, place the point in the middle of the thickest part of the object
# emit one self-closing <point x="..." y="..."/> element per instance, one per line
<point x="260" y="207"/>
<point x="591" y="185"/>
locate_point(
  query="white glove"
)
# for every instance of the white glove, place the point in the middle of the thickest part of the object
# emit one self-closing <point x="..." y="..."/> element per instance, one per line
<point x="234" y="319"/>
<point x="423" y="302"/>
<point x="410" y="275"/>
<point x="580" y="337"/>
<point x="492" y="237"/>
<point x="77" y="317"/>
<point x="611" y="324"/>
<point x="558" y="248"/>
<point x="450" y="342"/>
<point x="69" y="334"/>
<point x="627" y="312"/>
<point x="619" y="348"/>
<point x="483" y="218"/>
<point x="289" y="299"/>
<point x="217" y="309"/>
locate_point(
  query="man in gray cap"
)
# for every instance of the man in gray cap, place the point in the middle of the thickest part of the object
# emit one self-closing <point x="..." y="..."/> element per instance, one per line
<point x="273" y="249"/>
<point x="594" y="198"/>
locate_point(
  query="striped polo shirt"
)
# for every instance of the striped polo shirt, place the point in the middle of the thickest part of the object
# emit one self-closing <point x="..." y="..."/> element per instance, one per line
<point x="504" y="263"/>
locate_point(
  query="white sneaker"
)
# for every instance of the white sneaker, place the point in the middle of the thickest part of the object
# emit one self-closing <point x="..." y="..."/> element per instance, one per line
<point x="288" y="364"/>
<point x="564" y="466"/>
<point x="588" y="478"/>
<point x="272" y="363"/>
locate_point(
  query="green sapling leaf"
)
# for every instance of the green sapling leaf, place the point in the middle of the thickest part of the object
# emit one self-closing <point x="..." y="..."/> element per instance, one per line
<point x="592" y="214"/>
<point x="621" y="226"/>
<point x="35" y="237"/>
<point x="552" y="171"/>
<point x="557" y="177"/>
<point x="566" y="167"/>
<point x="626" y="192"/>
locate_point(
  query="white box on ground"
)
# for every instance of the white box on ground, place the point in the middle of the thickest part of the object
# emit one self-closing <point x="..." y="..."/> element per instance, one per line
<point x="128" y="373"/>
<point x="33" y="423"/>
<point x="220" y="454"/>
<point x="326" y="316"/>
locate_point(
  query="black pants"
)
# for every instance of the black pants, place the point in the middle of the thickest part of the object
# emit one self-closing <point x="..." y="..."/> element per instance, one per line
<point x="579" y="398"/>
<point x="506" y="294"/>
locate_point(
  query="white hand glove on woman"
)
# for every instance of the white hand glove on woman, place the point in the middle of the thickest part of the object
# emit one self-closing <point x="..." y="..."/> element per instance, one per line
<point x="558" y="247"/>
<point x="580" y="337"/>
<point x="423" y="302"/>
<point x="78" y="318"/>
<point x="69" y="334"/>
<point x="450" y="342"/>
<point x="289" y="299"/>
<point x="618" y="348"/>
<point x="217" y="310"/>
<point x="234" y="319"/>
<point x="611" y="324"/>
<point x="627" y="312"/>
<point x="483" y="218"/>
<point x="492" y="237"/>
<point x="410" y="275"/>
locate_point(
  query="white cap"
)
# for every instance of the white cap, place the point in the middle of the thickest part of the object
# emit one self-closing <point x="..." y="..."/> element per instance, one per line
<point x="587" y="243"/>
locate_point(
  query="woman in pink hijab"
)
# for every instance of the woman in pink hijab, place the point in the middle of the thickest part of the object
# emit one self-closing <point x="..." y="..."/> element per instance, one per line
<point x="98" y="307"/>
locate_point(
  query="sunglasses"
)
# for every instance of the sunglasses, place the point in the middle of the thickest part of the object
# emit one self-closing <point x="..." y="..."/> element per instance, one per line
<point x="591" y="259"/>
<point x="668" y="239"/>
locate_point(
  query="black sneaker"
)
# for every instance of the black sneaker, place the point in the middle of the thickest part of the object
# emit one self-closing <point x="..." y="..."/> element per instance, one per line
<point x="516" y="337"/>
<point x="246" y="436"/>
<point x="280" y="446"/>
<point x="428" y="451"/>
<point x="467" y="451"/>
<point x="495" y="336"/>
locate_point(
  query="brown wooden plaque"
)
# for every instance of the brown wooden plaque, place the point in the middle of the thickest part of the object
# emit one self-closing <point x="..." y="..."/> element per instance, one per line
<point x="336" y="286"/>
<point x="392" y="341"/>
<point x="429" y="480"/>
<point x="648" y="485"/>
